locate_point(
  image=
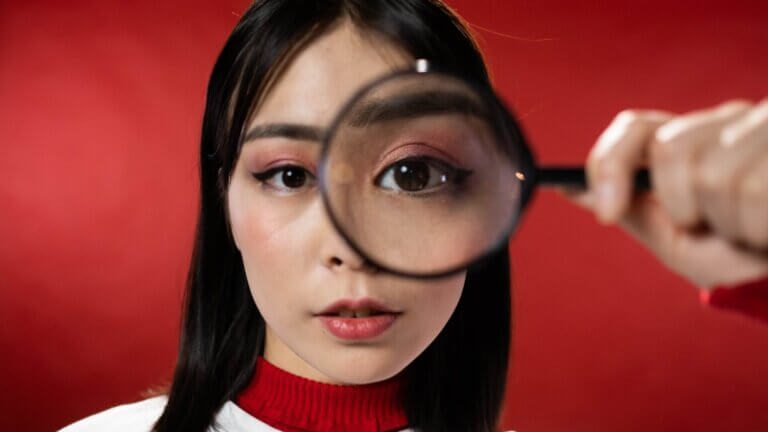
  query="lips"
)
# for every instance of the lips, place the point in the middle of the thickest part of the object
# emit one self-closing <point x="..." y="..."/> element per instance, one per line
<point x="360" y="308"/>
<point x="357" y="320"/>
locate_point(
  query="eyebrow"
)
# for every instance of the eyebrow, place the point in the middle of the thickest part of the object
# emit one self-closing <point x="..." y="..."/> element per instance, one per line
<point x="414" y="105"/>
<point x="285" y="130"/>
<point x="377" y="111"/>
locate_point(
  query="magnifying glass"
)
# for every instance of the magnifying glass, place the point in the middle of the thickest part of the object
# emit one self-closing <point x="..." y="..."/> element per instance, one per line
<point x="424" y="173"/>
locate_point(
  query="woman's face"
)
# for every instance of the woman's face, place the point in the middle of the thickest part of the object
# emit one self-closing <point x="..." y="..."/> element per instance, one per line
<point x="297" y="266"/>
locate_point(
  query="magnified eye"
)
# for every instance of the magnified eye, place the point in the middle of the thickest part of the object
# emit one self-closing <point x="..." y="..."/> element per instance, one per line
<point x="286" y="177"/>
<point x="420" y="175"/>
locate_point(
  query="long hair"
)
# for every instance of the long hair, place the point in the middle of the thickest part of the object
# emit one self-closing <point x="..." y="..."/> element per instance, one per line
<point x="458" y="382"/>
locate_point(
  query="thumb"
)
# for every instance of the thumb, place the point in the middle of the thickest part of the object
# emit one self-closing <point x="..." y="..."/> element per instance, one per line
<point x="581" y="197"/>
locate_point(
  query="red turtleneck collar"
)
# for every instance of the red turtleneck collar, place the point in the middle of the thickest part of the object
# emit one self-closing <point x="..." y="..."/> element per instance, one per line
<point x="292" y="403"/>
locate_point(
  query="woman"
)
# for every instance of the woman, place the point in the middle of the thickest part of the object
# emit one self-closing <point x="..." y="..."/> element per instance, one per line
<point x="258" y="350"/>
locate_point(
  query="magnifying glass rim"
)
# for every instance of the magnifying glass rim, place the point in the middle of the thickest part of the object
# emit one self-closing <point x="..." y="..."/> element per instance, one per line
<point x="527" y="169"/>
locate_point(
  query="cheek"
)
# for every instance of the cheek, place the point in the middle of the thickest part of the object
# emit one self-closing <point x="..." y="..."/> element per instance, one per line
<point x="269" y="238"/>
<point x="436" y="305"/>
<point x="253" y="229"/>
<point x="264" y="228"/>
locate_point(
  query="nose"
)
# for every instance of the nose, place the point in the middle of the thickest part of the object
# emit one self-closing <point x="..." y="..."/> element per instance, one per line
<point x="335" y="252"/>
<point x="337" y="255"/>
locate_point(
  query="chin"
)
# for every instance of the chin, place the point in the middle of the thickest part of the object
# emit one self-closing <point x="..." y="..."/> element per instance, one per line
<point x="357" y="365"/>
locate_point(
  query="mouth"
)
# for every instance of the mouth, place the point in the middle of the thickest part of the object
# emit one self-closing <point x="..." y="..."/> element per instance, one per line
<point x="361" y="308"/>
<point x="356" y="313"/>
<point x="356" y="320"/>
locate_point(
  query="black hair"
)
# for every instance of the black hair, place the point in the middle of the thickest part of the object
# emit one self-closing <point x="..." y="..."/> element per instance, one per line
<point x="458" y="382"/>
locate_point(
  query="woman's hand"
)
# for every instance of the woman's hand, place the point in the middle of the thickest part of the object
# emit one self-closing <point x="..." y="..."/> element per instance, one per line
<point x="707" y="217"/>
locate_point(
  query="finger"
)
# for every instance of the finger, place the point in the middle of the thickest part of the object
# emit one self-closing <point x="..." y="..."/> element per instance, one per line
<point x="722" y="168"/>
<point x="753" y="198"/>
<point x="677" y="146"/>
<point x="648" y="223"/>
<point x="612" y="162"/>
<point x="579" y="197"/>
<point x="706" y="260"/>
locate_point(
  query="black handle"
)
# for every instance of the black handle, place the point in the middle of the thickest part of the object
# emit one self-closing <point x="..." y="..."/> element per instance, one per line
<point x="575" y="176"/>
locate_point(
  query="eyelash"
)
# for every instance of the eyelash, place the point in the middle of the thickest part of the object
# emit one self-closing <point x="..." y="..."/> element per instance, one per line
<point x="452" y="176"/>
<point x="265" y="176"/>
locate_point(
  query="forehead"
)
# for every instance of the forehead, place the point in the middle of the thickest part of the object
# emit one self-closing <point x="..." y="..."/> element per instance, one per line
<point x="317" y="81"/>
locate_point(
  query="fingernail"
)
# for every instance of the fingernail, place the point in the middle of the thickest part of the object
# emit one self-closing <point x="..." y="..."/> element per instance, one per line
<point x="607" y="198"/>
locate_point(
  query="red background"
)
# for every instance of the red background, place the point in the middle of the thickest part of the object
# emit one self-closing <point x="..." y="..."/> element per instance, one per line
<point x="100" y="108"/>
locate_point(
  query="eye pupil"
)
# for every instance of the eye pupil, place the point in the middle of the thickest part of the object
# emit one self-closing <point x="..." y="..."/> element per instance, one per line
<point x="294" y="178"/>
<point x="412" y="176"/>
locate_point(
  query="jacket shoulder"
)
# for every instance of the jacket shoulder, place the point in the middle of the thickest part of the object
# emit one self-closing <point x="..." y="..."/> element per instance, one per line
<point x="134" y="417"/>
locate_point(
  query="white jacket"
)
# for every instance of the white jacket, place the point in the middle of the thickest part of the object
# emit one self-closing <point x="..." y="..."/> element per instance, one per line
<point x="141" y="416"/>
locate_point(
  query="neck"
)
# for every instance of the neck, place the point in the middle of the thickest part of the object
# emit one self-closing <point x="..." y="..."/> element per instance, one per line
<point x="292" y="403"/>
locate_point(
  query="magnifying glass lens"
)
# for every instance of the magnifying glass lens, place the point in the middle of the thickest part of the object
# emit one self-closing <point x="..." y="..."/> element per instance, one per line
<point x="418" y="176"/>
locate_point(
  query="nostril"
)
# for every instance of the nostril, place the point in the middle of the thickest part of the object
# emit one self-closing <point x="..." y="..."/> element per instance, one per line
<point x="335" y="261"/>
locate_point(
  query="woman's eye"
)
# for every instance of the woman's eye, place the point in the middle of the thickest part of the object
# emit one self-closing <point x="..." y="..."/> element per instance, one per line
<point x="420" y="175"/>
<point x="286" y="178"/>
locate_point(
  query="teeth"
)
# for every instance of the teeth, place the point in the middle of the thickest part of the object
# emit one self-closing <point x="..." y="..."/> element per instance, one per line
<point x="361" y="313"/>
